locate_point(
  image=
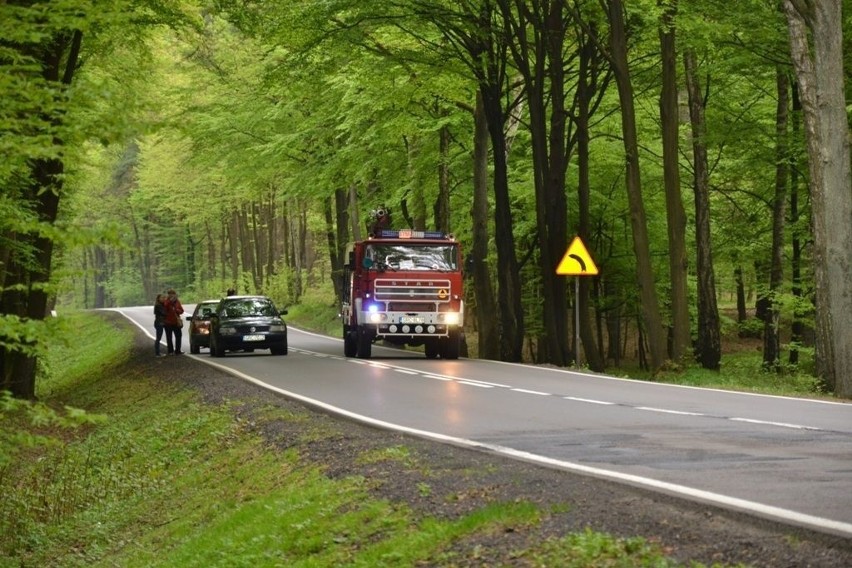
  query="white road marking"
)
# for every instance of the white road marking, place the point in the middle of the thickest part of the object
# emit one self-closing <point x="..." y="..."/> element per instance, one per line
<point x="436" y="377"/>
<point x="589" y="400"/>
<point x="525" y="391"/>
<point x="666" y="411"/>
<point x="779" y="424"/>
<point x="474" y="384"/>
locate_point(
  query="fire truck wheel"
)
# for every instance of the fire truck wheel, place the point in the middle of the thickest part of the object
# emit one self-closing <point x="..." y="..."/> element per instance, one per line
<point x="451" y="345"/>
<point x="350" y="343"/>
<point x="365" y="344"/>
<point x="432" y="349"/>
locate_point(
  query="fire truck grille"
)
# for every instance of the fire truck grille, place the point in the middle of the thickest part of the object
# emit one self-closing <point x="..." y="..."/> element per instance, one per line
<point x="412" y="290"/>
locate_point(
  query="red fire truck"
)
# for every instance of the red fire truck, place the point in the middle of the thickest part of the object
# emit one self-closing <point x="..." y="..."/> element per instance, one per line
<point x="403" y="287"/>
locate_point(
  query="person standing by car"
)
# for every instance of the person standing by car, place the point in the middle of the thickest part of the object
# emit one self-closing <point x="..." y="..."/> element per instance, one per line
<point x="159" y="322"/>
<point x="173" y="322"/>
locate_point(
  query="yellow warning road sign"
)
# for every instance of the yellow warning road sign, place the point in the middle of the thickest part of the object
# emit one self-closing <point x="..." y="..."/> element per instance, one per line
<point x="577" y="261"/>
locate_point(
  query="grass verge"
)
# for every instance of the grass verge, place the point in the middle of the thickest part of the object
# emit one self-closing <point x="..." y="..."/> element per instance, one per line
<point x="167" y="480"/>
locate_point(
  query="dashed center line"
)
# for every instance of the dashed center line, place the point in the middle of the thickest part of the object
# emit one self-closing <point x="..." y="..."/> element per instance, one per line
<point x="489" y="385"/>
<point x="666" y="411"/>
<point x="525" y="391"/>
<point x="769" y="423"/>
<point x="589" y="400"/>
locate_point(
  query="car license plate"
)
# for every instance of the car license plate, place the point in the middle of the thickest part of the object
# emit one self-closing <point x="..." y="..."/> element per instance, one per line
<point x="252" y="338"/>
<point x="411" y="319"/>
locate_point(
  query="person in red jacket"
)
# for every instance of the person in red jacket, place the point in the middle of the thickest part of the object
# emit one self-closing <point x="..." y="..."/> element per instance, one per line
<point x="173" y="323"/>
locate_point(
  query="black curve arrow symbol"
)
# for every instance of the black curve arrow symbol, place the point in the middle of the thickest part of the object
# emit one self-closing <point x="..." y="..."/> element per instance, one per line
<point x="580" y="260"/>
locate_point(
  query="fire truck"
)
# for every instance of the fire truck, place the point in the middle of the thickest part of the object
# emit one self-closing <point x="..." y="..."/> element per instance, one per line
<point x="403" y="287"/>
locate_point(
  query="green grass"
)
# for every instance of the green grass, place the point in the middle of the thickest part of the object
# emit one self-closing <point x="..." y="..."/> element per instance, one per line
<point x="166" y="480"/>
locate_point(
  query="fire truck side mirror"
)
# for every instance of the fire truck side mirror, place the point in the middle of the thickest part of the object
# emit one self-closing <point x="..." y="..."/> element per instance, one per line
<point x="351" y="262"/>
<point x="468" y="264"/>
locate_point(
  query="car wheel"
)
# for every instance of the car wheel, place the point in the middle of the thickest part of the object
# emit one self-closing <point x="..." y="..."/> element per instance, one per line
<point x="365" y="344"/>
<point x="451" y="345"/>
<point x="279" y="349"/>
<point x="350" y="343"/>
<point x="216" y="350"/>
<point x="432" y="349"/>
<point x="194" y="348"/>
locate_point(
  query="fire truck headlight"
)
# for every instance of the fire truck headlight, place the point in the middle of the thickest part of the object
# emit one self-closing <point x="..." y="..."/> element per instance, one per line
<point x="451" y="318"/>
<point x="376" y="317"/>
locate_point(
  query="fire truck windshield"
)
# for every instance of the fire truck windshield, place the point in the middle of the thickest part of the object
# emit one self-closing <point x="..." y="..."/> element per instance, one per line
<point x="410" y="256"/>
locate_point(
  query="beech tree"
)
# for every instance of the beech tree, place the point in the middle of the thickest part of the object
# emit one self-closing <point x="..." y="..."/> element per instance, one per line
<point x="816" y="41"/>
<point x="651" y="318"/>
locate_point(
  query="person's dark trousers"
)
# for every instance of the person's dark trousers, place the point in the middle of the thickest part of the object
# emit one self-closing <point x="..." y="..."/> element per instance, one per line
<point x="173" y="339"/>
<point x="178" y="337"/>
<point x="169" y="339"/>
<point x="160" y="331"/>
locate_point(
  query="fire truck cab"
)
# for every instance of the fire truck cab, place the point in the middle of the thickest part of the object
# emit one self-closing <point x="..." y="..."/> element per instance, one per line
<point x="403" y="287"/>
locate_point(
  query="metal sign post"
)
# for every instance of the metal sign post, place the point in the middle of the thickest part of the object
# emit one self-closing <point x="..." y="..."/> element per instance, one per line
<point x="576" y="322"/>
<point x="577" y="262"/>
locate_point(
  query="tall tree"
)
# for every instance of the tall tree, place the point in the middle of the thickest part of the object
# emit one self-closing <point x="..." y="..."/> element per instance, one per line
<point x="653" y="326"/>
<point x="772" y="317"/>
<point x="539" y="32"/>
<point x="816" y="41"/>
<point x="592" y="77"/>
<point x="675" y="215"/>
<point x="489" y="331"/>
<point x="479" y="38"/>
<point x="709" y="345"/>
<point x="51" y="54"/>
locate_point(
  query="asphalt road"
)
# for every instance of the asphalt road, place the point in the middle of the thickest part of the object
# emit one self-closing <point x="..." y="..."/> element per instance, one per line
<point x="785" y="459"/>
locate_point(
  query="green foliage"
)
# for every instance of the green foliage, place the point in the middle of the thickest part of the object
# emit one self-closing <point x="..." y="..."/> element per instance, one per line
<point x="258" y="112"/>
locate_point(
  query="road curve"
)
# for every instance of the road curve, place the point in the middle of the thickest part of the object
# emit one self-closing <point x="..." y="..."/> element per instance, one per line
<point x="785" y="459"/>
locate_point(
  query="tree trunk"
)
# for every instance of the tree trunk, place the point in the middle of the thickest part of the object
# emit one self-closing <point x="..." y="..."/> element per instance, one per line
<point x="797" y="328"/>
<point x="675" y="215"/>
<point x="100" y="277"/>
<point x="772" y="321"/>
<point x="820" y="78"/>
<point x="709" y="347"/>
<point x="641" y="246"/>
<point x="442" y="204"/>
<point x="486" y="316"/>
<point x="354" y="214"/>
<point x="586" y="82"/>
<point x="333" y="256"/>
<point x="742" y="313"/>
<point x="234" y="246"/>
